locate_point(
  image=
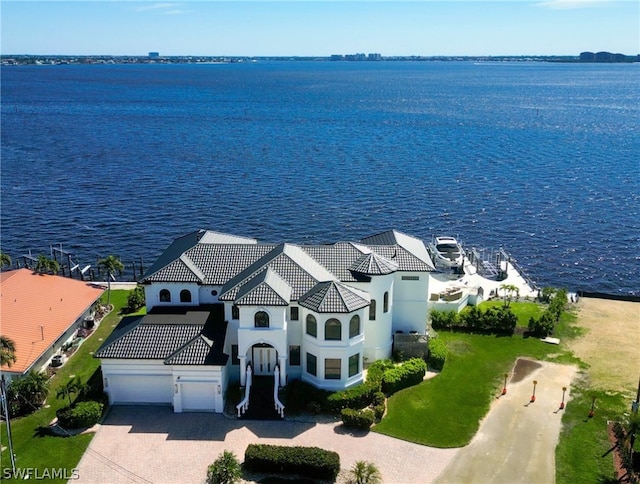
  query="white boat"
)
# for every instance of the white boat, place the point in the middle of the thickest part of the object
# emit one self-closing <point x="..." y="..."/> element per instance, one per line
<point x="446" y="252"/>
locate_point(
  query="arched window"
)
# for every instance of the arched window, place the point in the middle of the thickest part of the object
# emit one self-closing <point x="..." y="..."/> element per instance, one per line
<point x="385" y="303"/>
<point x="261" y="320"/>
<point x="354" y="326"/>
<point x="185" y="295"/>
<point x="333" y="330"/>
<point x="372" y="310"/>
<point x="165" y="295"/>
<point x="312" y="326"/>
<point x="235" y="312"/>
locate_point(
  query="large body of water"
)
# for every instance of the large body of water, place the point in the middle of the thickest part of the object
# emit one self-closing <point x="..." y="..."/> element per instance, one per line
<point x="541" y="159"/>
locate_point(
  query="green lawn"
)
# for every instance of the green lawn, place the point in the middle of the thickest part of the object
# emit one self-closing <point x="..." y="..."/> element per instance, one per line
<point x="583" y="454"/>
<point x="523" y="310"/>
<point x="33" y="445"/>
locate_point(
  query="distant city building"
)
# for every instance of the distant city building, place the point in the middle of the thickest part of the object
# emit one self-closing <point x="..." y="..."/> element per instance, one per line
<point x="356" y="57"/>
<point x="154" y="55"/>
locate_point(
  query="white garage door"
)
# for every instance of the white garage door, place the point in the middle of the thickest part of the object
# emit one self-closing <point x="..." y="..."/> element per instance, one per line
<point x="141" y="388"/>
<point x="198" y="396"/>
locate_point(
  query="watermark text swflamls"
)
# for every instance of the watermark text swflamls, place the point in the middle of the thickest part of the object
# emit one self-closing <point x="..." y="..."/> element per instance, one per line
<point x="40" y="474"/>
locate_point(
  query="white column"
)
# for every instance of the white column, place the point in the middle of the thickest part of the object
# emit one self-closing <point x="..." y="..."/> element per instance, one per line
<point x="243" y="370"/>
<point x="283" y="370"/>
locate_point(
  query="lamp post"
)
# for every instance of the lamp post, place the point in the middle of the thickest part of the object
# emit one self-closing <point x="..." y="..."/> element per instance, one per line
<point x="564" y="389"/>
<point x="504" y="388"/>
<point x="593" y="407"/>
<point x="533" y="395"/>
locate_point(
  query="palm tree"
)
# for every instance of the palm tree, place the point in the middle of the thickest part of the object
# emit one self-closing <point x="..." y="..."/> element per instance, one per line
<point x="225" y="470"/>
<point x="509" y="291"/>
<point x="111" y="264"/>
<point x="73" y="386"/>
<point x="44" y="265"/>
<point x="35" y="387"/>
<point x="5" y="260"/>
<point x="7" y="351"/>
<point x="364" y="472"/>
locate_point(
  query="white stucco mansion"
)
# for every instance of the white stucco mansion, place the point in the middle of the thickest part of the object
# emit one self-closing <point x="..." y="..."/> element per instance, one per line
<point x="222" y="308"/>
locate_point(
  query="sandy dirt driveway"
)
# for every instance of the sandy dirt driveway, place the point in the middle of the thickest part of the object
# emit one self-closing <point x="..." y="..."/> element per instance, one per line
<point x="516" y="441"/>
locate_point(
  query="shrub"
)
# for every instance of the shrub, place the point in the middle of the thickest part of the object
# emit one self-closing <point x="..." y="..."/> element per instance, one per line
<point x="225" y="470"/>
<point x="357" y="419"/>
<point x="378" y="411"/>
<point x="443" y="319"/>
<point x="543" y="326"/>
<point x="83" y="414"/>
<point x="408" y="374"/>
<point x="437" y="353"/>
<point x="136" y="299"/>
<point x="356" y="397"/>
<point x="375" y="372"/>
<point x="311" y="462"/>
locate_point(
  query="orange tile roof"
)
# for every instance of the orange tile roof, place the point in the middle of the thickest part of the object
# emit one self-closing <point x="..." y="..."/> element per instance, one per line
<point x="35" y="310"/>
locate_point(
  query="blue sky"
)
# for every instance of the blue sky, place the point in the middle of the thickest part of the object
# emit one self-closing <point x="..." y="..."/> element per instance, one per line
<point x="321" y="28"/>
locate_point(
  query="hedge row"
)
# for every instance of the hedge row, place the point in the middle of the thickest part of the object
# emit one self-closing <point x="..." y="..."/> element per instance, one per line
<point x="309" y="462"/>
<point x="410" y="373"/>
<point x="356" y="397"/>
<point x="496" y="319"/>
<point x="437" y="353"/>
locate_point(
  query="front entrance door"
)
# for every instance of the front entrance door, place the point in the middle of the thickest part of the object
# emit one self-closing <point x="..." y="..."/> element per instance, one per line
<point x="264" y="360"/>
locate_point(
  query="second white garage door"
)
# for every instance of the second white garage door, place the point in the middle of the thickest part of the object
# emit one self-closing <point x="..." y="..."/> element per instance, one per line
<point x="198" y="396"/>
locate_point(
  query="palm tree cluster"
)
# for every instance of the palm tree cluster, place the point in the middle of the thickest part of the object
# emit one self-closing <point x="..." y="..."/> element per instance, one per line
<point x="45" y="265"/>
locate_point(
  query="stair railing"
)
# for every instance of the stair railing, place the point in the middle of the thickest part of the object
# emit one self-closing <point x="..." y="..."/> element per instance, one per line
<point x="244" y="404"/>
<point x="276" y="384"/>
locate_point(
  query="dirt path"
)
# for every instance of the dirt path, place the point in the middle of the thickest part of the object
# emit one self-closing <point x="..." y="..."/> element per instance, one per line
<point x="610" y="343"/>
<point x="515" y="442"/>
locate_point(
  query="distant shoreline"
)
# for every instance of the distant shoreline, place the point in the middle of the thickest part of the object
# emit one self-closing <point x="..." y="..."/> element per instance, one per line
<point x="38" y="59"/>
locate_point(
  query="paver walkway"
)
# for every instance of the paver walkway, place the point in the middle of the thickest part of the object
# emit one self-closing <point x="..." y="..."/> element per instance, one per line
<point x="152" y="444"/>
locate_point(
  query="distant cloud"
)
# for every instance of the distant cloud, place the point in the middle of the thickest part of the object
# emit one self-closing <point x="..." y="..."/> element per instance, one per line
<point x="176" y="12"/>
<point x="571" y="4"/>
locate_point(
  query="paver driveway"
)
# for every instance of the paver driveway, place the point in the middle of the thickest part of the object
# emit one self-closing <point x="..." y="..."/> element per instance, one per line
<point x="152" y="444"/>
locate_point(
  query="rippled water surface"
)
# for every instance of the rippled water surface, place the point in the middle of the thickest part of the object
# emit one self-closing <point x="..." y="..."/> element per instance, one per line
<point x="541" y="159"/>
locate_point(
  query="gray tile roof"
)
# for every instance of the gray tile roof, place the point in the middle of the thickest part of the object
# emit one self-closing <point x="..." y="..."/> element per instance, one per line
<point x="373" y="264"/>
<point x="172" y="336"/>
<point x="293" y="265"/>
<point x="337" y="258"/>
<point x="411" y="245"/>
<point x="334" y="297"/>
<point x="266" y="288"/>
<point x="218" y="259"/>
<point x="220" y="263"/>
<point x="150" y="341"/>
<point x="198" y="351"/>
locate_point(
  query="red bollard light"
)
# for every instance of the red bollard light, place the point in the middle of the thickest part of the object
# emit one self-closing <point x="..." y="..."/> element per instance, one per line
<point x="564" y="389"/>
<point x="533" y="395"/>
<point x="504" y="388"/>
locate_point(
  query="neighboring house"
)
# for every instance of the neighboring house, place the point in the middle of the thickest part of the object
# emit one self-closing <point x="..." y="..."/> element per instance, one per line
<point x="221" y="305"/>
<point x="40" y="313"/>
